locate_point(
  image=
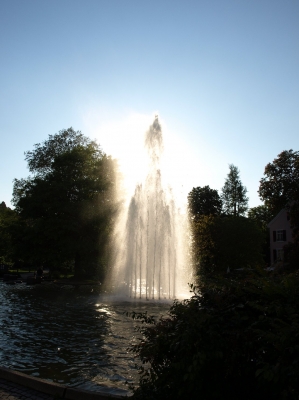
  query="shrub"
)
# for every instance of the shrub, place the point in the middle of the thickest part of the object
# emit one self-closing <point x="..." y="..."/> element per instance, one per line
<point x="232" y="338"/>
<point x="222" y="242"/>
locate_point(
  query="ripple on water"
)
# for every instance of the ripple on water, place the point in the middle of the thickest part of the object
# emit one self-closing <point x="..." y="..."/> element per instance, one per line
<point x="78" y="339"/>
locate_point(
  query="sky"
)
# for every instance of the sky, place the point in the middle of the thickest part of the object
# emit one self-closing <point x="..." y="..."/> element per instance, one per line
<point x="221" y="74"/>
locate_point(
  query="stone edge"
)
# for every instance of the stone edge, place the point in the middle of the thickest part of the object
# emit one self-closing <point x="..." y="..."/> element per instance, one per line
<point x="54" y="389"/>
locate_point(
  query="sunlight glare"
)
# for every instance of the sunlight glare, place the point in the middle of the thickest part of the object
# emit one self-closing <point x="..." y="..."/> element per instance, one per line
<point x="124" y="141"/>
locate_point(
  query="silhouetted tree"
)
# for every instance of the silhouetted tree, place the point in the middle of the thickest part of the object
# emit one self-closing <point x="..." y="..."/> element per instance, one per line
<point x="233" y="194"/>
<point x="280" y="184"/>
<point x="262" y="216"/>
<point x="222" y="242"/>
<point x="203" y="201"/>
<point x="279" y="188"/>
<point x="8" y="218"/>
<point x="68" y="205"/>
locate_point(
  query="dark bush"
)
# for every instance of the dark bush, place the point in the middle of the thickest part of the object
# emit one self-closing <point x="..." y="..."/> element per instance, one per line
<point x="231" y="339"/>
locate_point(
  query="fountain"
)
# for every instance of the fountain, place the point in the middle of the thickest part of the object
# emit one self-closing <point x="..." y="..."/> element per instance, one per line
<point x="83" y="340"/>
<point x="150" y="264"/>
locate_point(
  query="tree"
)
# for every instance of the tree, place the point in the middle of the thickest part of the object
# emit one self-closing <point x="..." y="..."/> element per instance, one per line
<point x="203" y="201"/>
<point x="222" y="242"/>
<point x="8" y="218"/>
<point x="280" y="184"/>
<point x="262" y="216"/>
<point x="279" y="188"/>
<point x="68" y="205"/>
<point x="40" y="159"/>
<point x="233" y="194"/>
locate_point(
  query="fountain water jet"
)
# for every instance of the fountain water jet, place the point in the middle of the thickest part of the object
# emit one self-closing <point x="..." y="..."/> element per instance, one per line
<point x="151" y="263"/>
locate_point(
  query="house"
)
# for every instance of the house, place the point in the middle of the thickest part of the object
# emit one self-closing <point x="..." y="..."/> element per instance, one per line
<point x="280" y="235"/>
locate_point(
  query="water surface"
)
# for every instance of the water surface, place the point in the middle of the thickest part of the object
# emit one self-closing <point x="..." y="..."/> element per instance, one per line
<point x="69" y="336"/>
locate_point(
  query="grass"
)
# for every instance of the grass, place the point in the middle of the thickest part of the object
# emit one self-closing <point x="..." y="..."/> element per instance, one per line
<point x="21" y="270"/>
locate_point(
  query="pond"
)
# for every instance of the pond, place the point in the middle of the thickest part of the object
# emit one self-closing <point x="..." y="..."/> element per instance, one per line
<point x="74" y="337"/>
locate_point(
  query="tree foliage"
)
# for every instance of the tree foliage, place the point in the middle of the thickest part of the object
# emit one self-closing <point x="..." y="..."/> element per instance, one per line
<point x="8" y="218"/>
<point x="262" y="216"/>
<point x="279" y="188"/>
<point x="280" y="184"/>
<point x="222" y="243"/>
<point x="232" y="339"/>
<point x="68" y="205"/>
<point x="233" y="194"/>
<point x="40" y="159"/>
<point x="203" y="201"/>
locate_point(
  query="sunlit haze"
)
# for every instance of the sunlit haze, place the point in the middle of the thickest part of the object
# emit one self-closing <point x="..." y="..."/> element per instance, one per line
<point x="124" y="140"/>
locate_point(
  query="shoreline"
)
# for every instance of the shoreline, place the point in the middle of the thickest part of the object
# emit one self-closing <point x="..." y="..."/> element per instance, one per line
<point x="54" y="389"/>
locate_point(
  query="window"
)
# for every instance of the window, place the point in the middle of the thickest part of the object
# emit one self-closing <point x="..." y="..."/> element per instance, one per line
<point x="278" y="255"/>
<point x="279" y="236"/>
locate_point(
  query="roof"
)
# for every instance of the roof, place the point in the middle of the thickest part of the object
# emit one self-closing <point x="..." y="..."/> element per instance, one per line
<point x="276" y="217"/>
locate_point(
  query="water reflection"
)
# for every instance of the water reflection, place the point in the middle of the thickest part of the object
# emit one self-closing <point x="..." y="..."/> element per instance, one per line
<point x="70" y="337"/>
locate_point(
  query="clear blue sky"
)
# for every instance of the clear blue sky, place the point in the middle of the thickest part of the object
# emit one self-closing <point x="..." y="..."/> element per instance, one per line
<point x="222" y="74"/>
